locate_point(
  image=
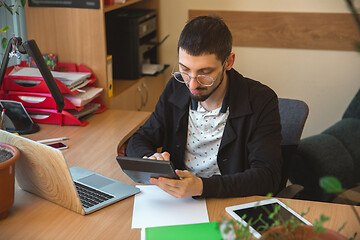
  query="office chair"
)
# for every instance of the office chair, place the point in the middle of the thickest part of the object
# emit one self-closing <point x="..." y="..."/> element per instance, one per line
<point x="333" y="152"/>
<point x="293" y="115"/>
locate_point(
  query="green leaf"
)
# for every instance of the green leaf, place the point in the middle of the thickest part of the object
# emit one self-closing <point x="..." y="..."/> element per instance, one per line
<point x="331" y="184"/>
<point x="8" y="8"/>
<point x="304" y="213"/>
<point x="23" y="2"/>
<point x="16" y="6"/>
<point x="318" y="227"/>
<point x="3" y="43"/>
<point x="324" y="218"/>
<point x="4" y="29"/>
<point x="269" y="195"/>
<point x="342" y="227"/>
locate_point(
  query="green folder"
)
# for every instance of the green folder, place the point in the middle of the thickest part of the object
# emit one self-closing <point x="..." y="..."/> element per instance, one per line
<point x="208" y="231"/>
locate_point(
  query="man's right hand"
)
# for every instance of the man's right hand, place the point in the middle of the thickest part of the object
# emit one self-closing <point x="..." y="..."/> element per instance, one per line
<point x="159" y="156"/>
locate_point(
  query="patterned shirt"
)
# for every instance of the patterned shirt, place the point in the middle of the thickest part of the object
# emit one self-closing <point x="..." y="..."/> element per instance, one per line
<point x="205" y="130"/>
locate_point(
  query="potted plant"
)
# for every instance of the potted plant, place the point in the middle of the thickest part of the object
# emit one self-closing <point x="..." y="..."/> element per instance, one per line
<point x="300" y="232"/>
<point x="279" y="229"/>
<point x="234" y="231"/>
<point x="290" y="229"/>
<point x="331" y="185"/>
<point x="8" y="156"/>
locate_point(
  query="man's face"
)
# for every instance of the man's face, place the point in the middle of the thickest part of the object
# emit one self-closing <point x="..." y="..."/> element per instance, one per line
<point x="201" y="65"/>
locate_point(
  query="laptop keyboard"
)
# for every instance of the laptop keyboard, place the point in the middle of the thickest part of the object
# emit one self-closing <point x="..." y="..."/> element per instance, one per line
<point x="90" y="197"/>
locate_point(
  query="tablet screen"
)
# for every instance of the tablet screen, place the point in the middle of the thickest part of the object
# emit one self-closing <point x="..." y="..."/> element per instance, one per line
<point x="254" y="213"/>
<point x="16" y="118"/>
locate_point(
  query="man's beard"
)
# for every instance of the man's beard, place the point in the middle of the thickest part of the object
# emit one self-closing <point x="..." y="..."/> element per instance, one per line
<point x="201" y="98"/>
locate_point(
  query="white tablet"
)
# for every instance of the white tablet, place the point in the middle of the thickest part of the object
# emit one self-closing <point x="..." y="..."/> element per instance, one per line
<point x="251" y="211"/>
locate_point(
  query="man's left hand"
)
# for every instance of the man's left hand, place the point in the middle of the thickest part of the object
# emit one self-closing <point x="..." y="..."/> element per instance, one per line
<point x="189" y="185"/>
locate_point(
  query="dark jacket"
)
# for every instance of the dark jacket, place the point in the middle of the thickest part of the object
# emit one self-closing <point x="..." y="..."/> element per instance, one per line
<point x="249" y="156"/>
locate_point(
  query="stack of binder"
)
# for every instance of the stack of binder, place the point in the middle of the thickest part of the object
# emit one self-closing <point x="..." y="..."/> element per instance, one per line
<point x="75" y="82"/>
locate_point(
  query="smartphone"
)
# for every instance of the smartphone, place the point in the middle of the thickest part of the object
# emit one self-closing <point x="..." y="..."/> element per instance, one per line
<point x="58" y="145"/>
<point x="249" y="212"/>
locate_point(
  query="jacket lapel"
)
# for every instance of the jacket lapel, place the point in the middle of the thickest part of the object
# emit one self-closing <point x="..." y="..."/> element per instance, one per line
<point x="239" y="105"/>
<point x="181" y="99"/>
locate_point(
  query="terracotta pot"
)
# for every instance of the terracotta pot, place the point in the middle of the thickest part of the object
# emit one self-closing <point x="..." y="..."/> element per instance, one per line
<point x="301" y="232"/>
<point x="7" y="180"/>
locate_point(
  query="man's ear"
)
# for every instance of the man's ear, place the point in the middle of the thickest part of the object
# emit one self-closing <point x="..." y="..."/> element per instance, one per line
<point x="230" y="61"/>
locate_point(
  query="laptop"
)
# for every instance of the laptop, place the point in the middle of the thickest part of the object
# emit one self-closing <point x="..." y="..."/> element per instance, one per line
<point x="43" y="171"/>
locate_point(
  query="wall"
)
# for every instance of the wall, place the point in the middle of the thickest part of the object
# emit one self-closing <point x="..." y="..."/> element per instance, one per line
<point x="325" y="80"/>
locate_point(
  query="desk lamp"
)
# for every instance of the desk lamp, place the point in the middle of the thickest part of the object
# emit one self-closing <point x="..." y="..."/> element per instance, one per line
<point x="14" y="47"/>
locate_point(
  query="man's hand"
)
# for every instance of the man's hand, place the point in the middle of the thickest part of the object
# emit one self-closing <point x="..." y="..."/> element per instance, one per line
<point x="188" y="186"/>
<point x="159" y="156"/>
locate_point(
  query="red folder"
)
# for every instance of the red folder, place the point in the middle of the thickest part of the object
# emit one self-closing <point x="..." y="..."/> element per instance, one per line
<point x="51" y="116"/>
<point x="37" y="84"/>
<point x="37" y="100"/>
<point x="41" y="115"/>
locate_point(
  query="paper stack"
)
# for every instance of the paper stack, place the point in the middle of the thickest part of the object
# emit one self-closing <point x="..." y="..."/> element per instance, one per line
<point x="73" y="80"/>
<point x="84" y="96"/>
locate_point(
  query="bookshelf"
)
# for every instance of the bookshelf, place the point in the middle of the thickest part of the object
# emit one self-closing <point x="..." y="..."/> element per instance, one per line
<point x="79" y="36"/>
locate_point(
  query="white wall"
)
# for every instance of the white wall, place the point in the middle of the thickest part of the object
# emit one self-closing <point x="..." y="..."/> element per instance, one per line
<point x="325" y="80"/>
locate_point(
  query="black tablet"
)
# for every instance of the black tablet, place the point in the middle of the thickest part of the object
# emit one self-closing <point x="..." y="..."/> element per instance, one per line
<point x="140" y="170"/>
<point x="16" y="118"/>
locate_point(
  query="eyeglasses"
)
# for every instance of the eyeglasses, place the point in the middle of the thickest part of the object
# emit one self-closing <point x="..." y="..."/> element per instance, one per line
<point x="203" y="80"/>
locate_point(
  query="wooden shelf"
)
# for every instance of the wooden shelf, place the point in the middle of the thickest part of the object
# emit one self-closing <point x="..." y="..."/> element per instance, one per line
<point x="108" y="8"/>
<point x="79" y="36"/>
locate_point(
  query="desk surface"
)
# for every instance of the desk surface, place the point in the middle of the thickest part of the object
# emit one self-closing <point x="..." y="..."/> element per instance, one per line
<point x="94" y="147"/>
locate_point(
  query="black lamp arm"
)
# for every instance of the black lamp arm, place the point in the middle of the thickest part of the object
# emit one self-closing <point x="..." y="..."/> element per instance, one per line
<point x="5" y="60"/>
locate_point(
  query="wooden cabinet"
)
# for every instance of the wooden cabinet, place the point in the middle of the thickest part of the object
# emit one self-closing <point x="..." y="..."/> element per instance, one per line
<point x="139" y="95"/>
<point x="79" y="36"/>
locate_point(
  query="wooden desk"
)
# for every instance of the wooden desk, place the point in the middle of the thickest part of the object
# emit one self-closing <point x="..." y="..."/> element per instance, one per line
<point x="94" y="147"/>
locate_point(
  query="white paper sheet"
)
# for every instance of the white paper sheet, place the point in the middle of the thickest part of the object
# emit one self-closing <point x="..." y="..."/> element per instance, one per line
<point x="153" y="207"/>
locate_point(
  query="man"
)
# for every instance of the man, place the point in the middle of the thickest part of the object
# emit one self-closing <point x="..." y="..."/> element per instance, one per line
<point x="221" y="129"/>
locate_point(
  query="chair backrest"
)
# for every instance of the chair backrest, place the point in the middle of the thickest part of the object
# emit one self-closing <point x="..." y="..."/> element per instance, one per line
<point x="293" y="114"/>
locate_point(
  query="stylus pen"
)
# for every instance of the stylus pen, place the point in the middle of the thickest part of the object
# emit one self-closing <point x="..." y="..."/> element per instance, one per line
<point x="53" y="140"/>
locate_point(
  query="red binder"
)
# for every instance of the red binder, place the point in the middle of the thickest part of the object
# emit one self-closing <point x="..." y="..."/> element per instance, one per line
<point x="37" y="100"/>
<point x="52" y="116"/>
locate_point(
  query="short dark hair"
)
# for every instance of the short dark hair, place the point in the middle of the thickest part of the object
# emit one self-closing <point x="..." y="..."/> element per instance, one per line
<point x="206" y="35"/>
